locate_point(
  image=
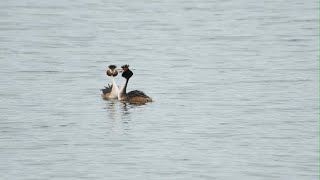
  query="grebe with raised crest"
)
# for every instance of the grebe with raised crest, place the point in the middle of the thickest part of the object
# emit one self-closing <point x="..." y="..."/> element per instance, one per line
<point x="135" y="96"/>
<point x="111" y="92"/>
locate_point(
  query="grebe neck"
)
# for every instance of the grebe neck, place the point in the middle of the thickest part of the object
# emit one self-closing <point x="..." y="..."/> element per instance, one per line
<point x="123" y="92"/>
<point x="113" y="81"/>
<point x="115" y="89"/>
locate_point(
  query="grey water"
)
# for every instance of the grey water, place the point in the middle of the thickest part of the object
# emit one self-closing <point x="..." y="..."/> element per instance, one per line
<point x="235" y="84"/>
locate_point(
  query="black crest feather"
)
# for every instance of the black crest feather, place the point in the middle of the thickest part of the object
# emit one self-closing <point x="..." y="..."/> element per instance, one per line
<point x="125" y="66"/>
<point x="112" y="67"/>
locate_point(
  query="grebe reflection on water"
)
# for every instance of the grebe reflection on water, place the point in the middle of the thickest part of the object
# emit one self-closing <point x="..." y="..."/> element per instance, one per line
<point x="135" y="96"/>
<point x="112" y="91"/>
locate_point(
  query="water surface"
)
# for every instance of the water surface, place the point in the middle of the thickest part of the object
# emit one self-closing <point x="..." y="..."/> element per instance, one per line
<point x="235" y="85"/>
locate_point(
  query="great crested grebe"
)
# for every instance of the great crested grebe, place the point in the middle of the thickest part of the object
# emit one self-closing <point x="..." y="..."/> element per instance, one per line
<point x="135" y="96"/>
<point x="111" y="92"/>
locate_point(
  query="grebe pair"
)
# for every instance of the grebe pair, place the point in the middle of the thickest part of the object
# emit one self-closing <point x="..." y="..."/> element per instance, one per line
<point x="113" y="91"/>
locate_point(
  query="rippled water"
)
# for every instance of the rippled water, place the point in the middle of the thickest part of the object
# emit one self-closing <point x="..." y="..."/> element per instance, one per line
<point x="235" y="85"/>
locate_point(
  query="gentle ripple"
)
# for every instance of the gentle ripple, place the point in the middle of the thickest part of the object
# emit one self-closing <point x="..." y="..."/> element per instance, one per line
<point x="234" y="83"/>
